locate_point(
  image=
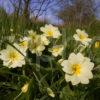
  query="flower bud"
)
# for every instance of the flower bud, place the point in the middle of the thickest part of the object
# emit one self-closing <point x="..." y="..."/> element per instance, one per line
<point x="25" y="88"/>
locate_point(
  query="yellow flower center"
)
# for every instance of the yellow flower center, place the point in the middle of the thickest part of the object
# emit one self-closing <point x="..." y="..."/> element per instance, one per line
<point x="55" y="49"/>
<point x="13" y="56"/>
<point x="82" y="37"/>
<point x="76" y="69"/>
<point x="50" y="33"/>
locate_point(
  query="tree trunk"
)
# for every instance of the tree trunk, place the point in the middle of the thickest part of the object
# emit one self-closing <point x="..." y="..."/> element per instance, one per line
<point x="26" y="9"/>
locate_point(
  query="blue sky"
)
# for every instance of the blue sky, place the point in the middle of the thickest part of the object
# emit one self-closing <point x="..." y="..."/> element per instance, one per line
<point x="49" y="16"/>
<point x="97" y="4"/>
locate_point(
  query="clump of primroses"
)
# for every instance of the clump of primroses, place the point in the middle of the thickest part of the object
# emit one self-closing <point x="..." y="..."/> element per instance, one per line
<point x="77" y="67"/>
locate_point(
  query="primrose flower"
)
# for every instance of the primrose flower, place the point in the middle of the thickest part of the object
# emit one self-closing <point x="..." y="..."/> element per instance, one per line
<point x="97" y="44"/>
<point x="24" y="44"/>
<point x="77" y="69"/>
<point x="11" y="57"/>
<point x="50" y="31"/>
<point x="20" y="48"/>
<point x="56" y="50"/>
<point x="82" y="36"/>
<point x="36" y="45"/>
<point x="37" y="42"/>
<point x="25" y="88"/>
<point x="32" y="35"/>
<point x="44" y="40"/>
<point x="31" y="32"/>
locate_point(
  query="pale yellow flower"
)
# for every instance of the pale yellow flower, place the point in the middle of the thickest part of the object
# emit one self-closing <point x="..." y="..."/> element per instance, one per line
<point x="56" y="50"/>
<point x="11" y="57"/>
<point x="25" y="88"/>
<point x="19" y="48"/>
<point x="44" y="40"/>
<point x="97" y="44"/>
<point x="50" y="92"/>
<point x="35" y="44"/>
<point x="32" y="34"/>
<point x="82" y="36"/>
<point x="77" y="69"/>
<point x="50" y="31"/>
<point x="24" y="44"/>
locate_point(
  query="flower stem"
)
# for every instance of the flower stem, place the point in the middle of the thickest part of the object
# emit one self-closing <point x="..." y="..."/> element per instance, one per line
<point x="18" y="96"/>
